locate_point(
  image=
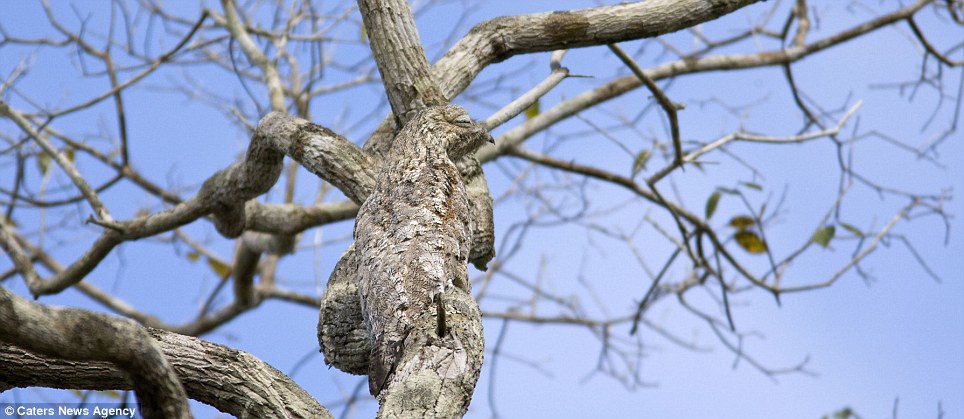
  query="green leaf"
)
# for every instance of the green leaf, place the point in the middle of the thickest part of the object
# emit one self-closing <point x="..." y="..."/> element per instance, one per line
<point x="856" y="231"/>
<point x="219" y="268"/>
<point x="845" y="413"/>
<point x="70" y="153"/>
<point x="823" y="235"/>
<point x="193" y="256"/>
<point x="728" y="191"/>
<point x="752" y="185"/>
<point x="711" y="204"/>
<point x="639" y="163"/>
<point x="110" y="394"/>
<point x="533" y="110"/>
<point x="43" y="162"/>
<point x="750" y="242"/>
<point x="742" y="222"/>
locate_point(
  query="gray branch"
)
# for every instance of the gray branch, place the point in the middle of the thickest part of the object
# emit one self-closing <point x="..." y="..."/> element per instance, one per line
<point x="500" y="38"/>
<point x="232" y="381"/>
<point x="400" y="57"/>
<point x="80" y="335"/>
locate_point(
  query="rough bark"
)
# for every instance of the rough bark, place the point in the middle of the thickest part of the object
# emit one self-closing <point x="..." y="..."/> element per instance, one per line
<point x="487" y="43"/>
<point x="400" y="57"/>
<point x="500" y="38"/>
<point x="80" y="335"/>
<point x="234" y="382"/>
<point x="436" y="377"/>
<point x="322" y="152"/>
<point x="412" y="243"/>
<point x="409" y="85"/>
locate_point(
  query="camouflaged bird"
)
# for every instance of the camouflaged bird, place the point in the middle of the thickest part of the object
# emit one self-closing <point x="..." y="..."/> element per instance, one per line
<point x="412" y="234"/>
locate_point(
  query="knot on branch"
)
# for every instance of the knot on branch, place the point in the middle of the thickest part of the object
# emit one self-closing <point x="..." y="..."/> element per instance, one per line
<point x="226" y="192"/>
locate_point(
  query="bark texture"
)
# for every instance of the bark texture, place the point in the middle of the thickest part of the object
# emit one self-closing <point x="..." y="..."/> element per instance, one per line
<point x="233" y="381"/>
<point x="400" y="57"/>
<point x="413" y="240"/>
<point x="410" y="269"/>
<point x="81" y="335"/>
<point x="500" y="38"/>
<point x="398" y="53"/>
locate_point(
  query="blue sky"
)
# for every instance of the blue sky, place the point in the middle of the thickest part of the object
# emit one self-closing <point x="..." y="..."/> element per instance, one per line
<point x="869" y="343"/>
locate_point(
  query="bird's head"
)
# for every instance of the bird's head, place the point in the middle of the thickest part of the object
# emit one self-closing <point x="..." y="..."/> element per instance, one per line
<point x="452" y="127"/>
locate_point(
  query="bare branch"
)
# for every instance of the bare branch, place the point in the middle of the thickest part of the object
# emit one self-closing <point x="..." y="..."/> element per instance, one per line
<point x="85" y="336"/>
<point x="322" y="152"/>
<point x="668" y="106"/>
<point x="520" y="104"/>
<point x="498" y="39"/>
<point x="401" y="59"/>
<point x="622" y="85"/>
<point x="930" y="48"/>
<point x="258" y="390"/>
<point x="60" y="158"/>
<point x="743" y="136"/>
<point x="226" y="192"/>
<point x="272" y="78"/>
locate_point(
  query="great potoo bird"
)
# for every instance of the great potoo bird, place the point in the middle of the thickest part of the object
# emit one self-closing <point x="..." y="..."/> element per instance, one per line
<point x="412" y="233"/>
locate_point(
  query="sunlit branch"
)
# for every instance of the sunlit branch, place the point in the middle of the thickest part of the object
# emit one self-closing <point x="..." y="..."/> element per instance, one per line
<point x="258" y="389"/>
<point x="254" y="54"/>
<point x="154" y="65"/>
<point x="277" y="135"/>
<point x="693" y="65"/>
<point x="748" y="137"/>
<point x="527" y="99"/>
<point x="881" y="234"/>
<point x="81" y="335"/>
<point x="668" y="106"/>
<point x="68" y="167"/>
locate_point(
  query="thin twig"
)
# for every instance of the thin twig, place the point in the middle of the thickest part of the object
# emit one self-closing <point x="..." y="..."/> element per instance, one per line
<point x="668" y="106"/>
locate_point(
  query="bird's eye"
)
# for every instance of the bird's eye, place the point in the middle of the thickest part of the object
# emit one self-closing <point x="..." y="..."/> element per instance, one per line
<point x="463" y="121"/>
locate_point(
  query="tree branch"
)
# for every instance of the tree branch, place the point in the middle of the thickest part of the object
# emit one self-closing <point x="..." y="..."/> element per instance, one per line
<point x="271" y="76"/>
<point x="620" y="86"/>
<point x="60" y="158"/>
<point x="81" y="335"/>
<point x="668" y="106"/>
<point x="500" y="38"/>
<point x="322" y="152"/>
<point x="232" y="381"/>
<point x="224" y="194"/>
<point x="400" y="57"/>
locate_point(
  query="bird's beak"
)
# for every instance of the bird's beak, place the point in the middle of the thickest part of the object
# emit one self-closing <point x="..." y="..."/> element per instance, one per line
<point x="490" y="139"/>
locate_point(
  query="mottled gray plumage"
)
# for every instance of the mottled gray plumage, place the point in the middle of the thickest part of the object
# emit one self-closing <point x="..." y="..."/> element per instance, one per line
<point x="412" y="234"/>
<point x="342" y="334"/>
<point x="480" y="210"/>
